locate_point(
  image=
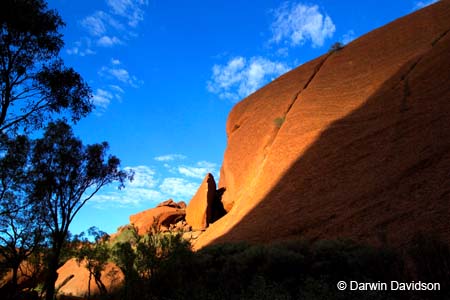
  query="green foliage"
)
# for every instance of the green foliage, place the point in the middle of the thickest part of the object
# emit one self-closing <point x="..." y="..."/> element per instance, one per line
<point x="290" y="270"/>
<point x="65" y="174"/>
<point x="126" y="234"/>
<point x="147" y="256"/>
<point x="94" y="256"/>
<point x="21" y="234"/>
<point x="279" y="121"/>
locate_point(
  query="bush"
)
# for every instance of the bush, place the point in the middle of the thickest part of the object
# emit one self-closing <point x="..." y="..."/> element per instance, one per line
<point x="430" y="258"/>
<point x="336" y="47"/>
<point x="162" y="266"/>
<point x="279" y="121"/>
<point x="292" y="270"/>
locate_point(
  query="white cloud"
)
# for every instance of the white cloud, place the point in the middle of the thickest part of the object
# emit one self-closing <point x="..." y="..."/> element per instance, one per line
<point x="127" y="197"/>
<point x="199" y="170"/>
<point x="241" y="77"/>
<point x="348" y="37"/>
<point x="115" y="61"/>
<point x="82" y="47"/>
<point x="179" y="188"/>
<point x="422" y="4"/>
<point x="118" y="72"/>
<point x="207" y="164"/>
<point x="144" y="177"/>
<point x="297" y="23"/>
<point x="117" y="89"/>
<point x="114" y="26"/>
<point x="102" y="98"/>
<point x="143" y="189"/>
<point x="94" y="24"/>
<point x="193" y="172"/>
<point x="133" y="10"/>
<point x="170" y="157"/>
<point x="107" y="41"/>
<point x="149" y="188"/>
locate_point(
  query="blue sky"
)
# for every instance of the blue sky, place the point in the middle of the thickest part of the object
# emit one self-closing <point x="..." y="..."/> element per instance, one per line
<point x="165" y="74"/>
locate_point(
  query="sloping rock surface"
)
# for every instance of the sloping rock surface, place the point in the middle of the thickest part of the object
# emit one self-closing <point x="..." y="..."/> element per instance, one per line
<point x="354" y="144"/>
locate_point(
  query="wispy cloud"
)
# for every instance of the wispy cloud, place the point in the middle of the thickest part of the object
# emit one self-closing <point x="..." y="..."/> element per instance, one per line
<point x="143" y="189"/>
<point x="94" y="24"/>
<point x="179" y="188"/>
<point x="240" y="76"/>
<point x="151" y="185"/>
<point x="130" y="9"/>
<point x="348" y="37"/>
<point x="116" y="71"/>
<point x="149" y="188"/>
<point x="83" y="47"/>
<point x="422" y="4"/>
<point x="144" y="177"/>
<point x="113" y="26"/>
<point x="170" y="157"/>
<point x="108" y="41"/>
<point x="102" y="98"/>
<point x="297" y="23"/>
<point x="199" y="170"/>
<point x="294" y="24"/>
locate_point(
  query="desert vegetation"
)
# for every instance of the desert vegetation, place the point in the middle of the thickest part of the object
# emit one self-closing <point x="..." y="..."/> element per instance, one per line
<point x="162" y="266"/>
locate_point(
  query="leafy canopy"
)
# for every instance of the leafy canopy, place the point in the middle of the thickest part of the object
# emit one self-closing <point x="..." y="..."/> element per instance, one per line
<point x="34" y="82"/>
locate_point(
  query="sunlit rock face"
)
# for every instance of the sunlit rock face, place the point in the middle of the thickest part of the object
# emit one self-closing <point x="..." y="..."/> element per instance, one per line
<point x="159" y="218"/>
<point x="73" y="278"/>
<point x="354" y="144"/>
<point x="200" y="209"/>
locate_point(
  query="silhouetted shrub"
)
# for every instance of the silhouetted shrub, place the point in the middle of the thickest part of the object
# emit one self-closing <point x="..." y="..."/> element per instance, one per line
<point x="290" y="270"/>
<point x="161" y="266"/>
<point x="336" y="47"/>
<point x="430" y="258"/>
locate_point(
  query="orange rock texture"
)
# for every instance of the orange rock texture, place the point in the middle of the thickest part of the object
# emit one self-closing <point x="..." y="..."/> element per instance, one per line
<point x="199" y="211"/>
<point x="77" y="286"/>
<point x="353" y="144"/>
<point x="166" y="213"/>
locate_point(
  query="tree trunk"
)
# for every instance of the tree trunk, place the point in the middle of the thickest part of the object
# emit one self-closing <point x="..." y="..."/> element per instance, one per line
<point x="52" y="274"/>
<point x="15" y="270"/>
<point x="89" y="285"/>
<point x="101" y="286"/>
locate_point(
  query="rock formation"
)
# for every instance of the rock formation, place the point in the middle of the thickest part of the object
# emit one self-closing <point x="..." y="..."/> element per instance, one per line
<point x="354" y="144"/>
<point x="199" y="211"/>
<point x="73" y="278"/>
<point x="161" y="217"/>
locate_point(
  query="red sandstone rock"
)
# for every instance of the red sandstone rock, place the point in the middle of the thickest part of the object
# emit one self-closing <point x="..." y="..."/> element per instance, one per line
<point x="169" y="203"/>
<point x="199" y="211"/>
<point x="77" y="286"/>
<point x="166" y="213"/>
<point x="363" y="151"/>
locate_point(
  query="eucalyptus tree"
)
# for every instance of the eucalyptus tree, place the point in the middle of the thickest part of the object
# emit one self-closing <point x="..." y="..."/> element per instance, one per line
<point x="35" y="85"/>
<point x="65" y="175"/>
